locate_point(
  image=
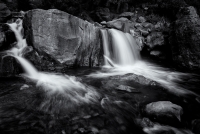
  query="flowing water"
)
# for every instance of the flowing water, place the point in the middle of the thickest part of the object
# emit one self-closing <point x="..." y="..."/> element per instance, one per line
<point x="89" y="101"/>
<point x="74" y="90"/>
<point x="126" y="59"/>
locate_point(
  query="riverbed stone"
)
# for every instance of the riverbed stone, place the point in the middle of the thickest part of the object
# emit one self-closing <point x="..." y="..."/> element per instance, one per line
<point x="63" y="37"/>
<point x="164" y="111"/>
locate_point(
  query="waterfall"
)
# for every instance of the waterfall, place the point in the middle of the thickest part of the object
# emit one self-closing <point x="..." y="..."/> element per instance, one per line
<point x="124" y="48"/>
<point x="122" y="52"/>
<point x="51" y="82"/>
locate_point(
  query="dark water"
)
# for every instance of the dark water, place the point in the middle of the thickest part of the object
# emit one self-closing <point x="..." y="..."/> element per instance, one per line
<point x="35" y="111"/>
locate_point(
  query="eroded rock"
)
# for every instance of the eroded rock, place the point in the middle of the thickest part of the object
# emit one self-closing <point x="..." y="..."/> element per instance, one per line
<point x="164" y="110"/>
<point x="63" y="37"/>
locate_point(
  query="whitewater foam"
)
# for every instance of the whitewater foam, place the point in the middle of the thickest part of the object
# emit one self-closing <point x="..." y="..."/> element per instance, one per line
<point x="50" y="82"/>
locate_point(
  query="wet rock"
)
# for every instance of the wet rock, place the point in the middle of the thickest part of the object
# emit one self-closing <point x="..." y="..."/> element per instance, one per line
<point x="141" y="19"/>
<point x="155" y="53"/>
<point x="196" y="126"/>
<point x="127" y="89"/>
<point x="9" y="66"/>
<point x="144" y="122"/>
<point x="148" y="25"/>
<point x="127" y="15"/>
<point x="122" y="24"/>
<point x="144" y="32"/>
<point x="155" y="39"/>
<point x="103" y="22"/>
<point x="136" y="78"/>
<point x="185" y="40"/>
<point x="94" y="130"/>
<point x="138" y="26"/>
<point x="164" y="111"/>
<point x="64" y="38"/>
<point x="4" y="13"/>
<point x="159" y="26"/>
<point x="25" y="86"/>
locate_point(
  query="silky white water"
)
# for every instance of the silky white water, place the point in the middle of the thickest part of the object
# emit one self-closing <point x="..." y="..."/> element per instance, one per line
<point x="50" y="82"/>
<point x="126" y="59"/>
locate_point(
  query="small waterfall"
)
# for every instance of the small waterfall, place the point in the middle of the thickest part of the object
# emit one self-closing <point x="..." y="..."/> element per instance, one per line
<point x="124" y="48"/>
<point x="51" y="82"/>
<point x="123" y="53"/>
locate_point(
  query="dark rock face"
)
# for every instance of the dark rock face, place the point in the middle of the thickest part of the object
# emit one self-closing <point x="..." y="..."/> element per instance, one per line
<point x="63" y="37"/>
<point x="9" y="66"/>
<point x="196" y="126"/>
<point x="186" y="41"/>
<point x="4" y="12"/>
<point x="155" y="39"/>
<point x="2" y="39"/>
<point x="103" y="14"/>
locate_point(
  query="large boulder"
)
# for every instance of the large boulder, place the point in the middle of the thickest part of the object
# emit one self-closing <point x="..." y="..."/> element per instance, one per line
<point x="164" y="111"/>
<point x="185" y="41"/>
<point x="63" y="37"/>
<point x="122" y="24"/>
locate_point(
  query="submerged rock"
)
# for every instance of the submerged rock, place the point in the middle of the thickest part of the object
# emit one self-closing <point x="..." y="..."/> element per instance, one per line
<point x="164" y="110"/>
<point x="63" y="37"/>
<point x="136" y="78"/>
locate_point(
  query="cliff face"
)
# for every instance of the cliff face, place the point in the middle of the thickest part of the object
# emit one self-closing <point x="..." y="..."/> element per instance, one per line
<point x="186" y="39"/>
<point x="64" y="38"/>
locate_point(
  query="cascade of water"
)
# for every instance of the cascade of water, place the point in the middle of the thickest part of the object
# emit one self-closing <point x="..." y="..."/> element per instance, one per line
<point x="74" y="90"/>
<point x="124" y="49"/>
<point x="126" y="59"/>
